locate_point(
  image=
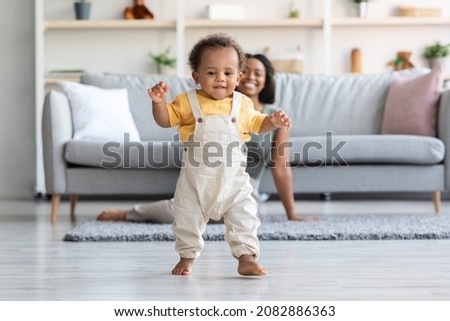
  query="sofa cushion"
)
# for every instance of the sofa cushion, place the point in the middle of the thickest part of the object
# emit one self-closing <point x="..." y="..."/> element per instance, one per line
<point x="411" y="105"/>
<point x="344" y="104"/>
<point x="140" y="103"/>
<point x="100" y="114"/>
<point x="309" y="151"/>
<point x="127" y="155"/>
<point x="366" y="149"/>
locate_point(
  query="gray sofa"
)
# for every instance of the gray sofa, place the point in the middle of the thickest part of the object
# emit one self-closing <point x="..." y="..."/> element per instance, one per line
<point x="336" y="142"/>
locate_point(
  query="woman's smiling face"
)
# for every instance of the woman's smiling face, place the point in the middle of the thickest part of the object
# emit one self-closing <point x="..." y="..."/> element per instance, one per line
<point x="254" y="79"/>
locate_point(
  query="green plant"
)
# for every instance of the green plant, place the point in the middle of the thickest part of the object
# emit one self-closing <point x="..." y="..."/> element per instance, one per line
<point x="293" y="14"/>
<point x="294" y="10"/>
<point x="163" y="59"/>
<point x="437" y="51"/>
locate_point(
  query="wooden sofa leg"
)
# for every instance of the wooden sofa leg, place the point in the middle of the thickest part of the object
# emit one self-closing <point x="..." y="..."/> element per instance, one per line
<point x="73" y="204"/>
<point x="437" y="201"/>
<point x="56" y="199"/>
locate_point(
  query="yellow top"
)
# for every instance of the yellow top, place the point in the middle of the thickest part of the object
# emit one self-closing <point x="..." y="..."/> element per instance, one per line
<point x="180" y="114"/>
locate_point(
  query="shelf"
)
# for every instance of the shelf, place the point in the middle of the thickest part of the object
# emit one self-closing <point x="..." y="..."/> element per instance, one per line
<point x="107" y="24"/>
<point x="390" y="21"/>
<point x="171" y="24"/>
<point x="207" y="23"/>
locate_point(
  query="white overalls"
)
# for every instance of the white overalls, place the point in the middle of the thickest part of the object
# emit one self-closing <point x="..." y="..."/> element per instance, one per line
<point x="213" y="184"/>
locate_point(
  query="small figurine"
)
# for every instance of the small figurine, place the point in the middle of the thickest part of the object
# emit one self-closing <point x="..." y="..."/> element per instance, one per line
<point x="138" y="11"/>
<point x="402" y="61"/>
<point x="356" y="60"/>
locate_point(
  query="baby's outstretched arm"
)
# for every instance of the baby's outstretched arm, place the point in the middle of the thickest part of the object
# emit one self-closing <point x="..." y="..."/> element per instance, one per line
<point x="158" y="95"/>
<point x="275" y="120"/>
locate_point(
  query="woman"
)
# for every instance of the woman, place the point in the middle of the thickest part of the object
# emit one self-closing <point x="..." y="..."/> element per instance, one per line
<point x="258" y="83"/>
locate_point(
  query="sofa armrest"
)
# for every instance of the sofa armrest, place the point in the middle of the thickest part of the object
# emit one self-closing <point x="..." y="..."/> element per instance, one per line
<point x="444" y="131"/>
<point x="56" y="131"/>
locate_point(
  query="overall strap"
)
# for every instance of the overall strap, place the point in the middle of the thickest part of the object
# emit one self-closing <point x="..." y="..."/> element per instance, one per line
<point x="195" y="105"/>
<point x="237" y="97"/>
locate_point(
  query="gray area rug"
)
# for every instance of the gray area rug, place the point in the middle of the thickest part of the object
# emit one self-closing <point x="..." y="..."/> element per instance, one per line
<point x="331" y="227"/>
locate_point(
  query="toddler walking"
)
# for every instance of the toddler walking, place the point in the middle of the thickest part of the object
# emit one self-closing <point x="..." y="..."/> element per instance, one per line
<point x="214" y="121"/>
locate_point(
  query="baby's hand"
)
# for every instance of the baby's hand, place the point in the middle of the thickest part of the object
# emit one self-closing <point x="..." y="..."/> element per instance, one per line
<point x="280" y="119"/>
<point x="159" y="92"/>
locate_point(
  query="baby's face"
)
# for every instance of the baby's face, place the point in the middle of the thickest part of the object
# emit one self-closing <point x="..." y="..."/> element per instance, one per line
<point x="218" y="72"/>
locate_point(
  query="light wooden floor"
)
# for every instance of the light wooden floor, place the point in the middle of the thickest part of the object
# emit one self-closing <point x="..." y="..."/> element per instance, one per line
<point x="37" y="265"/>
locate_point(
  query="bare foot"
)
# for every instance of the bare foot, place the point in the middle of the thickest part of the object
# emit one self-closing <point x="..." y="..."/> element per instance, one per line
<point x="184" y="267"/>
<point x="249" y="267"/>
<point x="303" y="218"/>
<point x="112" y="215"/>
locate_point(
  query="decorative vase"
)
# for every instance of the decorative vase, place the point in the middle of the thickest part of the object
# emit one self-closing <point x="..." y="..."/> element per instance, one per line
<point x="432" y="62"/>
<point x="356" y="60"/>
<point x="82" y="10"/>
<point x="166" y="70"/>
<point x="361" y="9"/>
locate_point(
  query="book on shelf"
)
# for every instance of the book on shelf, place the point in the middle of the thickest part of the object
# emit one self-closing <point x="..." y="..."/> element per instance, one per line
<point x="65" y="73"/>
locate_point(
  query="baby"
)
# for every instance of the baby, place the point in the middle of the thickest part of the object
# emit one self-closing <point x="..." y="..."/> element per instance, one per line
<point x="214" y="122"/>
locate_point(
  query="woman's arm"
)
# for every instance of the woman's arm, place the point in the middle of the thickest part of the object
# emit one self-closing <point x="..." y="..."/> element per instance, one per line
<point x="282" y="175"/>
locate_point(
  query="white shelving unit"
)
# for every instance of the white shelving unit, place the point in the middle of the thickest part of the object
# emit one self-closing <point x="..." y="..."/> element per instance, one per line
<point x="325" y="31"/>
<point x="325" y="27"/>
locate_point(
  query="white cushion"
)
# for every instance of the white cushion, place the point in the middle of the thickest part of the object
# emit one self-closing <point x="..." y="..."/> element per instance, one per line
<point x="100" y="114"/>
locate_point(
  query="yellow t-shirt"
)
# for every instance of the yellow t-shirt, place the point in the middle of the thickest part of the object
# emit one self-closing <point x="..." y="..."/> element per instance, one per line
<point x="180" y="114"/>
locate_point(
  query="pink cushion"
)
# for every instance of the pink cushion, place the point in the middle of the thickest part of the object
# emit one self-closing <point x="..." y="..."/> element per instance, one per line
<point x="411" y="105"/>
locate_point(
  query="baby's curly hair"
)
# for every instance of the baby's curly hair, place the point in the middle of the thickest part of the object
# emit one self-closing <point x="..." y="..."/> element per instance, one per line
<point x="216" y="40"/>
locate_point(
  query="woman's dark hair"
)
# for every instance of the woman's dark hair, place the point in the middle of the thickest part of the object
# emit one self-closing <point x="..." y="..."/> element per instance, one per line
<point x="267" y="95"/>
<point x="216" y="40"/>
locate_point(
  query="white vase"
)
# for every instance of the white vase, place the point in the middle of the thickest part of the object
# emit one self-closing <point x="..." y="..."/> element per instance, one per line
<point x="361" y="9"/>
<point x="166" y="70"/>
<point x="432" y="62"/>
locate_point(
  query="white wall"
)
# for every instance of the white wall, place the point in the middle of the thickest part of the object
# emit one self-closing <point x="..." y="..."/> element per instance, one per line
<point x="17" y="138"/>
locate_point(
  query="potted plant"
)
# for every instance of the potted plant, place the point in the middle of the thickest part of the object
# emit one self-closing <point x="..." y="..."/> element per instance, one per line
<point x="163" y="61"/>
<point x="437" y="54"/>
<point x="361" y="7"/>
<point x="82" y="9"/>
<point x="294" y="9"/>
